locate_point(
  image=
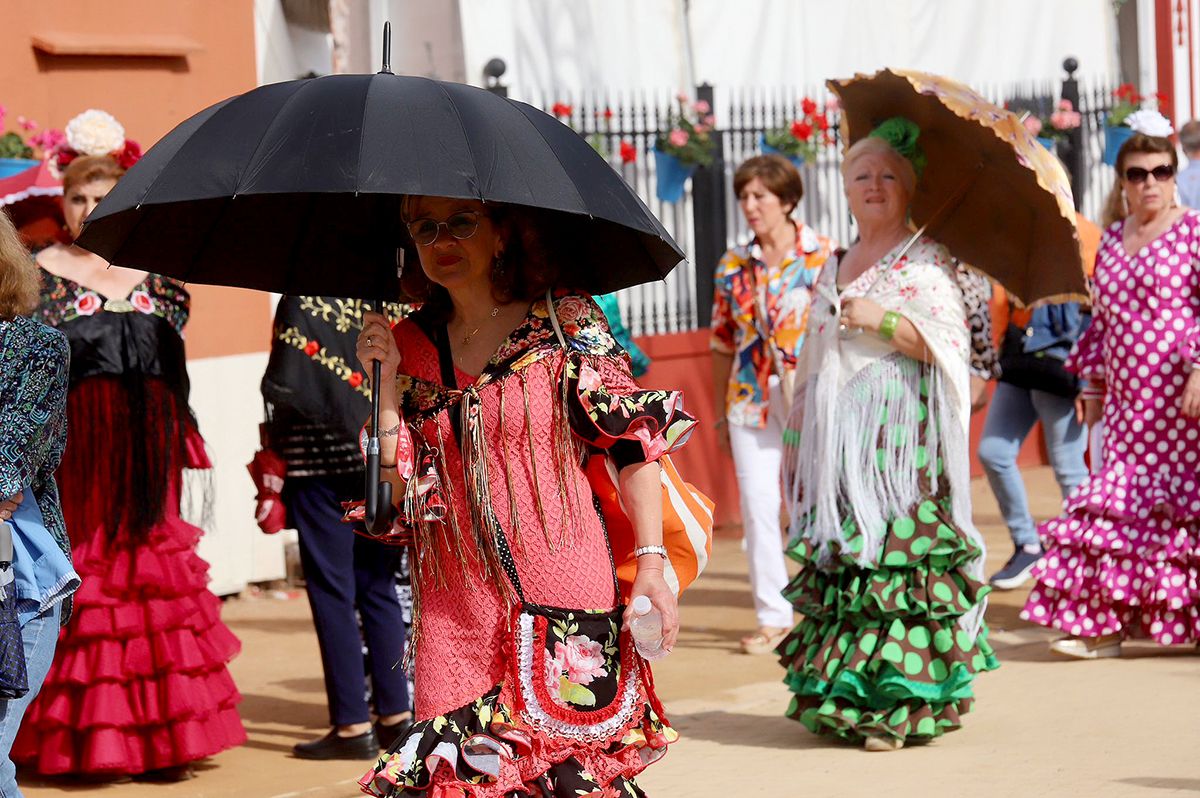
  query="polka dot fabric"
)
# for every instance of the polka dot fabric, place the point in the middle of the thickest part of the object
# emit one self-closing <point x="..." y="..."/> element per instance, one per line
<point x="1124" y="557"/>
<point x="880" y="651"/>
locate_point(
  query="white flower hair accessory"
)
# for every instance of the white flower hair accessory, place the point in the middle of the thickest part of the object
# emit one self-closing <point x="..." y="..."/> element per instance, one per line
<point x="95" y="132"/>
<point x="1149" y="122"/>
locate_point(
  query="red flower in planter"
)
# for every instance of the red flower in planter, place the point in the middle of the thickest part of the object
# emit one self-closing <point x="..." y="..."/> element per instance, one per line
<point x="802" y="130"/>
<point x="561" y="109"/>
<point x="608" y="113"/>
<point x="355" y="379"/>
<point x="821" y="121"/>
<point x="807" y="106"/>
<point x="311" y="348"/>
<point x="628" y="152"/>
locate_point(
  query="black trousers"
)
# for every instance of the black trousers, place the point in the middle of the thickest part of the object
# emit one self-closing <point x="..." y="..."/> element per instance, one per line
<point x="344" y="572"/>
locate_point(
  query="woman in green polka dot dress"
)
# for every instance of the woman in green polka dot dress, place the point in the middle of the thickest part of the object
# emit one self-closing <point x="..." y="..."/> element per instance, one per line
<point x="891" y="585"/>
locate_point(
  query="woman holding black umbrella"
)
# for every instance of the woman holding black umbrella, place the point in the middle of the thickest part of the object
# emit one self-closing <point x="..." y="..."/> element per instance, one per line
<point x="500" y="387"/>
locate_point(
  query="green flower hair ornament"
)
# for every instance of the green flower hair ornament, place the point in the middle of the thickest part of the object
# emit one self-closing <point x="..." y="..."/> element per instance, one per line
<point x="902" y="135"/>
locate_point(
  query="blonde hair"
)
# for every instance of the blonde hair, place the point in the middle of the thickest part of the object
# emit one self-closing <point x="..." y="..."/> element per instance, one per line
<point x="18" y="274"/>
<point x="87" y="168"/>
<point x="872" y="145"/>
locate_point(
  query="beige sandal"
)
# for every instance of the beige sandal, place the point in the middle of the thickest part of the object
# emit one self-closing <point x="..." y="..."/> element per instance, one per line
<point x="763" y="641"/>
<point x="879" y="744"/>
<point x="1088" y="647"/>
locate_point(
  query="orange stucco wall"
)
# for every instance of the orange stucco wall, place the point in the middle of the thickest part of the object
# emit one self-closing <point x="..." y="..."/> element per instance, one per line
<point x="149" y="95"/>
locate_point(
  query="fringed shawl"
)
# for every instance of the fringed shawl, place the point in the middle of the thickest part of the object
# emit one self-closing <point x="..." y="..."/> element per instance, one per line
<point x="857" y="391"/>
<point x="596" y="406"/>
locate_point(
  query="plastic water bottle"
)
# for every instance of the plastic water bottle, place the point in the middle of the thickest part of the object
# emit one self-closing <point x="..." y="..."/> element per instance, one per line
<point x="646" y="627"/>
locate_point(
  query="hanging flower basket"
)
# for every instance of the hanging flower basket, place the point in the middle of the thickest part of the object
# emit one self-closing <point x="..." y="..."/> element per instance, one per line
<point x="767" y="149"/>
<point x="14" y="166"/>
<point x="671" y="175"/>
<point x="1114" y="137"/>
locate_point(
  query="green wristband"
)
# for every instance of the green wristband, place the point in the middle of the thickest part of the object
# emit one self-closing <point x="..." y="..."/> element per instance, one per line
<point x="887" y="327"/>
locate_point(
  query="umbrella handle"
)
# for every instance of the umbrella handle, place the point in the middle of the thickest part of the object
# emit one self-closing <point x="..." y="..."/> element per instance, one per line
<point x="378" y="493"/>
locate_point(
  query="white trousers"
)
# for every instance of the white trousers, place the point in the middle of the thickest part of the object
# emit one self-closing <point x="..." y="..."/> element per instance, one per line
<point x="757" y="457"/>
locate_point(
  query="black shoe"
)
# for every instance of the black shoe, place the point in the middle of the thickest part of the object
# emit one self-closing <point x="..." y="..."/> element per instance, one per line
<point x="388" y="735"/>
<point x="1016" y="571"/>
<point x="167" y="775"/>
<point x="332" y="746"/>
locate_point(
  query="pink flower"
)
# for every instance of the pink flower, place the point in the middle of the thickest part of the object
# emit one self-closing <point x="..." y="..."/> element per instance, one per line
<point x="27" y="124"/>
<point x="832" y="104"/>
<point x="678" y="138"/>
<point x="702" y="107"/>
<point x="709" y="120"/>
<point x="682" y="97"/>
<point x="1033" y="125"/>
<point x="1065" y="105"/>
<point x="701" y="129"/>
<point x="87" y="303"/>
<point x="582" y="658"/>
<point x="141" y="302"/>
<point x="48" y="140"/>
<point x="1065" y="120"/>
<point x="3" y="113"/>
<point x="555" y="667"/>
<point x="571" y="309"/>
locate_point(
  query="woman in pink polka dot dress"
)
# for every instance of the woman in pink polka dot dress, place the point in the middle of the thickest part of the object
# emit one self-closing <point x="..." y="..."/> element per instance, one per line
<point x="1123" y="560"/>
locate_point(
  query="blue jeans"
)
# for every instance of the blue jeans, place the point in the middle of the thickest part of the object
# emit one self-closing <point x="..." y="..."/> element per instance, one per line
<point x="1012" y="415"/>
<point x="40" y="637"/>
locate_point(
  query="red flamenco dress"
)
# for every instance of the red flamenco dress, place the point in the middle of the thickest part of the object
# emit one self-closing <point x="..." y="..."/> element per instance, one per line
<point x="140" y="680"/>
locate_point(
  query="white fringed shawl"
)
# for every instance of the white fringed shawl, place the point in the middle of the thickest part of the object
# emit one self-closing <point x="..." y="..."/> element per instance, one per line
<point x="847" y="387"/>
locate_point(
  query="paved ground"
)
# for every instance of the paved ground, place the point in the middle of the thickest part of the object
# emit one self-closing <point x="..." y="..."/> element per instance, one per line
<point x="1042" y="727"/>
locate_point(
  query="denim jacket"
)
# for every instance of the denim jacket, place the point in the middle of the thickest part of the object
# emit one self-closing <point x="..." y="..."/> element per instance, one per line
<point x="34" y="371"/>
<point x="1053" y="329"/>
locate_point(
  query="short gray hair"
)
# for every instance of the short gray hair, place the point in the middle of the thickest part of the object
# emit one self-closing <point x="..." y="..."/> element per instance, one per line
<point x="872" y="145"/>
<point x="1189" y="136"/>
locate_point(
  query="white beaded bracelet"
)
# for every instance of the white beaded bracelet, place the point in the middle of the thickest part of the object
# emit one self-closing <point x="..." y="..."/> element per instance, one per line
<point x="661" y="551"/>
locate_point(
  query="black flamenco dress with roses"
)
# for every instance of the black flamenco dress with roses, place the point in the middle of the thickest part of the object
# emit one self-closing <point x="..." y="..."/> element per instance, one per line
<point x="140" y="679"/>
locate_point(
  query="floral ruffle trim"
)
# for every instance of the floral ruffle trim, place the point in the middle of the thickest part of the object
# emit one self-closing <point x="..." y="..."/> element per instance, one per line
<point x="485" y="751"/>
<point x="655" y="419"/>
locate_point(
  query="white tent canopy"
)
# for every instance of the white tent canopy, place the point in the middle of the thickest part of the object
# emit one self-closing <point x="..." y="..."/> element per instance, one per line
<point x="552" y="47"/>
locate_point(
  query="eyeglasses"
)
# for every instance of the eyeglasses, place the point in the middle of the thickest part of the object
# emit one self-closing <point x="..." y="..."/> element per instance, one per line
<point x="1162" y="173"/>
<point x="460" y="225"/>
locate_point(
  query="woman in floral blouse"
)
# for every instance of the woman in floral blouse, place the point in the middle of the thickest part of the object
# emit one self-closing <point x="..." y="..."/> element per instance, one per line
<point x="39" y="579"/>
<point x="141" y="683"/>
<point x="760" y="312"/>
<point x="502" y="391"/>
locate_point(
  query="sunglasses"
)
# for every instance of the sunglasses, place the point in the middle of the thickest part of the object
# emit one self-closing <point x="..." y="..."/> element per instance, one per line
<point x="1163" y="173"/>
<point x="461" y="225"/>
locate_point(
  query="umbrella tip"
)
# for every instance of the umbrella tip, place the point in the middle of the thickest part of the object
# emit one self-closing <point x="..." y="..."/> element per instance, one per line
<point x="387" y="49"/>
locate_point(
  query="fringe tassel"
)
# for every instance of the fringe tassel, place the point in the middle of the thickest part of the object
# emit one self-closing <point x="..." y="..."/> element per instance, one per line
<point x="514" y="514"/>
<point x="864" y="454"/>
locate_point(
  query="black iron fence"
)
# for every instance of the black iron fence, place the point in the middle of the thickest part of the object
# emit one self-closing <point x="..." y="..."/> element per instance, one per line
<point x="706" y="221"/>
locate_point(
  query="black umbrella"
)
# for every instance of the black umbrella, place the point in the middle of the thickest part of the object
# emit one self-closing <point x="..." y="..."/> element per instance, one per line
<point x="294" y="188"/>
